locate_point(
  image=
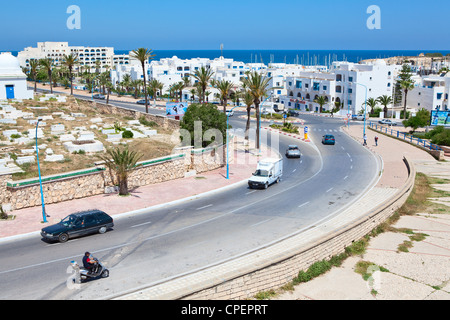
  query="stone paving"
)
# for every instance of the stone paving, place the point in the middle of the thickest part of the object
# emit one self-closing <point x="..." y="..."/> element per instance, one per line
<point x="419" y="274"/>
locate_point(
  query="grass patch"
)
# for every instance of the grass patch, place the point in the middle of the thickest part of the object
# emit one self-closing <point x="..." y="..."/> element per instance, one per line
<point x="366" y="269"/>
<point x="405" y="246"/>
<point x="265" y="295"/>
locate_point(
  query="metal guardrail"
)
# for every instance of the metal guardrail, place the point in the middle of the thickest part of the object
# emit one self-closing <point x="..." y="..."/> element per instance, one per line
<point x="405" y="136"/>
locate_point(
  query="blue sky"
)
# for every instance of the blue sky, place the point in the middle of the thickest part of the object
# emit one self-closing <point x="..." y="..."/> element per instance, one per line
<point x="238" y="24"/>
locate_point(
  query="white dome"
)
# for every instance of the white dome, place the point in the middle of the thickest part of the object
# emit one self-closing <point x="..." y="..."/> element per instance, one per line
<point x="9" y="64"/>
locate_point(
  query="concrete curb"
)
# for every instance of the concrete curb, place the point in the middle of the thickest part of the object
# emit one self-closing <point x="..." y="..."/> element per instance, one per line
<point x="190" y="285"/>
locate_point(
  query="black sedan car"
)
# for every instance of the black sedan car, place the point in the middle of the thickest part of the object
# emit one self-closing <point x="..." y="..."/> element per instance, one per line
<point x="77" y="225"/>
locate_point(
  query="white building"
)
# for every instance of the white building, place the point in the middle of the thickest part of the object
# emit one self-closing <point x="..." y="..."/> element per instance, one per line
<point x="87" y="56"/>
<point x="13" y="82"/>
<point x="430" y="92"/>
<point x="346" y="83"/>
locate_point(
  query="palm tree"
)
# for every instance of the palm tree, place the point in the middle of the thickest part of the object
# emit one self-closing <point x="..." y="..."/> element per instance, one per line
<point x="224" y="88"/>
<point x="70" y="61"/>
<point x="154" y="85"/>
<point x="122" y="162"/>
<point x="385" y="101"/>
<point x="406" y="84"/>
<point x="321" y="101"/>
<point x="34" y="66"/>
<point x="126" y="82"/>
<point x="109" y="86"/>
<point x="248" y="100"/>
<point x="372" y="103"/>
<point x="203" y="76"/>
<point x="257" y="84"/>
<point x="143" y="55"/>
<point x="47" y="65"/>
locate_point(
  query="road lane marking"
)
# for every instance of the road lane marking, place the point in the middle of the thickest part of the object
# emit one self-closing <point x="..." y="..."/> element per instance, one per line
<point x="142" y="224"/>
<point x="250" y="192"/>
<point x="257" y="224"/>
<point x="345" y="177"/>
<point x="294" y="170"/>
<point x="329" y="190"/>
<point x="302" y="205"/>
<point x="209" y="205"/>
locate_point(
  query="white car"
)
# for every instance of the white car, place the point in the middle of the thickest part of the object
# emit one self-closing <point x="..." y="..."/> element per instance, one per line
<point x="230" y="113"/>
<point x="388" y="122"/>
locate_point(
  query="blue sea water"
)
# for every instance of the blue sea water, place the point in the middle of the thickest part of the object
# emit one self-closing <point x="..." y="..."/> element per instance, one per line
<point x="304" y="57"/>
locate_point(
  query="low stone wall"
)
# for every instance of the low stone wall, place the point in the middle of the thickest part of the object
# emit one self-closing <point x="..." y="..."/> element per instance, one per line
<point x="16" y="195"/>
<point x="277" y="273"/>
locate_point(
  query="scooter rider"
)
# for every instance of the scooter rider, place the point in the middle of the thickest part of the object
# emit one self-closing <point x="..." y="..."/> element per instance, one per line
<point x="88" y="262"/>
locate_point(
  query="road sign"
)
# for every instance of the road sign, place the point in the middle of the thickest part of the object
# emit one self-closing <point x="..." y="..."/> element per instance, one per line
<point x="306" y="129"/>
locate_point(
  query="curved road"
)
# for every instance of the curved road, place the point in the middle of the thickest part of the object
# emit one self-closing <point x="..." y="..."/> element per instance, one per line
<point x="148" y="248"/>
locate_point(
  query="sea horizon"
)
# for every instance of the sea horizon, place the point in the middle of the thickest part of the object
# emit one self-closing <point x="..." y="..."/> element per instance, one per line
<point x="291" y="56"/>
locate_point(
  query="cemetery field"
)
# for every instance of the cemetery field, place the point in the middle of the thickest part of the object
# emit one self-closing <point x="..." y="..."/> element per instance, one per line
<point x="70" y="136"/>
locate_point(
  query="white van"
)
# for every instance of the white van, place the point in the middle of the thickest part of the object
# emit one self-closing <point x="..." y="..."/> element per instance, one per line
<point x="267" y="172"/>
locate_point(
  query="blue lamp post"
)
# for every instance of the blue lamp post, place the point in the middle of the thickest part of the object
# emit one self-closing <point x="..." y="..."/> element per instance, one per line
<point x="228" y="166"/>
<point x="44" y="215"/>
<point x="259" y="121"/>
<point x="365" y="108"/>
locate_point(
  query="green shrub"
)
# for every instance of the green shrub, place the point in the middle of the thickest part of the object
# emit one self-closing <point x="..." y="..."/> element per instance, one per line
<point x="127" y="134"/>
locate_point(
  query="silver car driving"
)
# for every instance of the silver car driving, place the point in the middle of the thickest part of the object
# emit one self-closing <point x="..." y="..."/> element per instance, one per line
<point x="293" y="152"/>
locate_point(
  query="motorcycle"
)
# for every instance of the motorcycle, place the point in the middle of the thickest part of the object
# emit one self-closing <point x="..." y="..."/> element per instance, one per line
<point x="82" y="274"/>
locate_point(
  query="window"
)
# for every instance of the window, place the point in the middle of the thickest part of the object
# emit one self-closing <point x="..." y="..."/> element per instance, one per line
<point x="316" y="86"/>
<point x="439" y="96"/>
<point x="349" y="102"/>
<point x="350" y="90"/>
<point x="350" y="79"/>
<point x="325" y="88"/>
<point x="298" y="84"/>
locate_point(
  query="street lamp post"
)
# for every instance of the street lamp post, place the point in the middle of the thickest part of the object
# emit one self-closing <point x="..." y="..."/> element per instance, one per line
<point x="258" y="121"/>
<point x="365" y="108"/>
<point x="228" y="166"/>
<point x="44" y="214"/>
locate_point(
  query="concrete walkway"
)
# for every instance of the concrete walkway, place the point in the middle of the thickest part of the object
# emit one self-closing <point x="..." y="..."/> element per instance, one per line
<point x="420" y="274"/>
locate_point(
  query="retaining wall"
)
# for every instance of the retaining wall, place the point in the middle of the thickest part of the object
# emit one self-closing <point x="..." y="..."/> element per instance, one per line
<point x="273" y="274"/>
<point x="16" y="195"/>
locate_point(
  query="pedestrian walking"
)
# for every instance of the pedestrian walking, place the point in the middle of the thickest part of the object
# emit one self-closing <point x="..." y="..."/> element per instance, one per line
<point x="376" y="141"/>
<point x="365" y="140"/>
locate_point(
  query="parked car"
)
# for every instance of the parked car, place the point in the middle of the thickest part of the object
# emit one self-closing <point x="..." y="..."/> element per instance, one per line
<point x="360" y="117"/>
<point x="388" y="122"/>
<point x="293" y="113"/>
<point x="142" y="101"/>
<point x="328" y="139"/>
<point x="99" y="96"/>
<point x="293" y="152"/>
<point x="78" y="224"/>
<point x="230" y="113"/>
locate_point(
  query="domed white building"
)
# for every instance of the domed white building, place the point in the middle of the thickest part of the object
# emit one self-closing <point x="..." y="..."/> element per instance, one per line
<point x="13" y="82"/>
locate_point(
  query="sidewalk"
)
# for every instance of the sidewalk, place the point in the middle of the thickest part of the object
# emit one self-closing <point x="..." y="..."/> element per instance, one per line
<point x="421" y="273"/>
<point x="29" y="220"/>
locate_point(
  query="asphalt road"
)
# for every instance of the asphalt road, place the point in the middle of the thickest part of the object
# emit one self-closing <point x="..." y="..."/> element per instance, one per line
<point x="160" y="244"/>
